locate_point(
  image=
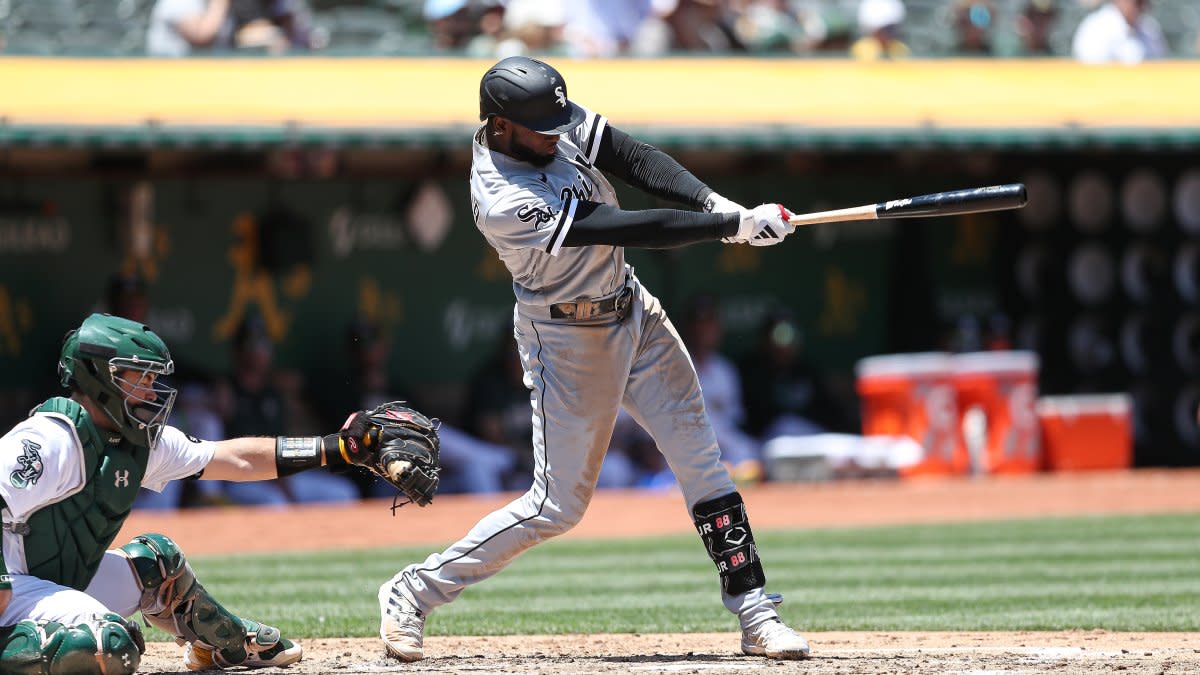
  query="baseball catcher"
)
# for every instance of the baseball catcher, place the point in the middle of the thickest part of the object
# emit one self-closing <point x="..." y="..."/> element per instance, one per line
<point x="69" y="475"/>
<point x="396" y="443"/>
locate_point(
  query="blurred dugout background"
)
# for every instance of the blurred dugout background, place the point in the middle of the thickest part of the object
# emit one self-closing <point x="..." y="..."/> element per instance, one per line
<point x="320" y="182"/>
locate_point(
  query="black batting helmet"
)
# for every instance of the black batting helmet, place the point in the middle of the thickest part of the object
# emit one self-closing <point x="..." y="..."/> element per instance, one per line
<point x="530" y="93"/>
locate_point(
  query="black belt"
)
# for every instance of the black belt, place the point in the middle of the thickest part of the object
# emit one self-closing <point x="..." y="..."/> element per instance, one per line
<point x="580" y="310"/>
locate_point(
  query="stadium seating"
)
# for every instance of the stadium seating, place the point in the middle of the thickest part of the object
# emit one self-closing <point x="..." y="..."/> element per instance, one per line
<point x="397" y="27"/>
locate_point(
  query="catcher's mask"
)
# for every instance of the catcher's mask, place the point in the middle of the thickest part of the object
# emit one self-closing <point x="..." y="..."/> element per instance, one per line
<point x="530" y="93"/>
<point x="117" y="363"/>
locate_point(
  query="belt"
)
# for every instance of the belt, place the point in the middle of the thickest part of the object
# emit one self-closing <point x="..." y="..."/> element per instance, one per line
<point x="582" y="309"/>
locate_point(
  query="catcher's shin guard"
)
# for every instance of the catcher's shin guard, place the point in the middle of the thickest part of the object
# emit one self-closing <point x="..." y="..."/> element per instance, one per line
<point x="104" y="645"/>
<point x="723" y="526"/>
<point x="174" y="602"/>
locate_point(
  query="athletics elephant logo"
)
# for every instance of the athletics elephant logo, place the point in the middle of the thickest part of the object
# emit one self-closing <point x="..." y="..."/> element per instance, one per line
<point x="29" y="466"/>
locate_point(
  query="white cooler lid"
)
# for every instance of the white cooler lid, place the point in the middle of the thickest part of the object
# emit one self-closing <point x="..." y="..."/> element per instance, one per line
<point x="1085" y="404"/>
<point x="892" y="365"/>
<point x="995" y="362"/>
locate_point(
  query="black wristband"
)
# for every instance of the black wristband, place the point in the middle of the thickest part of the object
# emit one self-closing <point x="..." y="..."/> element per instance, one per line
<point x="295" y="454"/>
<point x="331" y="445"/>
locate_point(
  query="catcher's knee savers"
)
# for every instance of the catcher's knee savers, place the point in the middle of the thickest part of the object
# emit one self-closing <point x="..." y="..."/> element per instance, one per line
<point x="723" y="526"/>
<point x="174" y="602"/>
<point x="104" y="645"/>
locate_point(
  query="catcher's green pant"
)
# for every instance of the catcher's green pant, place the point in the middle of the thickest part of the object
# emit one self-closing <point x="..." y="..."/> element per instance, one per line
<point x="579" y="375"/>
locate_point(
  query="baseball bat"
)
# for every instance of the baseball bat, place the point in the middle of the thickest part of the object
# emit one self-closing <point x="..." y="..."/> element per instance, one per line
<point x="952" y="203"/>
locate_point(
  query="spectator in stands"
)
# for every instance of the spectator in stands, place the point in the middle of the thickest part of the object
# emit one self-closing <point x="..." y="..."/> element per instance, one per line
<point x="260" y="408"/>
<point x="879" y="24"/>
<point x="469" y="464"/>
<point x="272" y="26"/>
<point x="973" y="22"/>
<point x="721" y="385"/>
<point x="498" y="409"/>
<point x="1035" y="25"/>
<point x="1121" y="31"/>
<point x="784" y="393"/>
<point x="633" y="459"/>
<point x="824" y="30"/>
<point x="179" y="27"/>
<point x="127" y="297"/>
<point x="686" y="25"/>
<point x="533" y="27"/>
<point x="450" y="23"/>
<point x="488" y="19"/>
<point x="605" y="28"/>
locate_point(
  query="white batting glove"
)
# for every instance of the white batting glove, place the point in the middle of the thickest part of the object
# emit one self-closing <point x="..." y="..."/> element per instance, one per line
<point x="715" y="203"/>
<point x="764" y="225"/>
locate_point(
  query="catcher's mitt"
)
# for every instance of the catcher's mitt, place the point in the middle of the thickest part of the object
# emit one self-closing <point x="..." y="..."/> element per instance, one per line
<point x="398" y="444"/>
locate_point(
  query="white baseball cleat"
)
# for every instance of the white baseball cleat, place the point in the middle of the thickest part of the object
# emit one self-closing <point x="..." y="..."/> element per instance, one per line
<point x="774" y="640"/>
<point x="265" y="648"/>
<point x="401" y="625"/>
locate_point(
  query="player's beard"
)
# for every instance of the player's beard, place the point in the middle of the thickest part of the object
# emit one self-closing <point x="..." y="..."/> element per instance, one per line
<point x="527" y="154"/>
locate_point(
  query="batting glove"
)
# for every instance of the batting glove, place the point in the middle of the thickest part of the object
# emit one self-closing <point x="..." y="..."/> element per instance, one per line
<point x="764" y="225"/>
<point x="715" y="203"/>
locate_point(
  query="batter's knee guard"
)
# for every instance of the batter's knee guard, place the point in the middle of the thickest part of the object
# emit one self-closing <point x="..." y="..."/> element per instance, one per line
<point x="174" y="602"/>
<point x="723" y="526"/>
<point x="104" y="645"/>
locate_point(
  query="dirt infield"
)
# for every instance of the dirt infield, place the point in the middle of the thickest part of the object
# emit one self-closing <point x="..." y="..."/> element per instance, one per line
<point x="772" y="507"/>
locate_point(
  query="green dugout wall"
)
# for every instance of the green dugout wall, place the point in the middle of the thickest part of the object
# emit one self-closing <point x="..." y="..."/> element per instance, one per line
<point x="311" y="191"/>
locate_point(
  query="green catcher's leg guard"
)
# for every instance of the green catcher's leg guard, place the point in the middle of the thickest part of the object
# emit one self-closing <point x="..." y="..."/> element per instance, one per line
<point x="105" y="645"/>
<point x="174" y="602"/>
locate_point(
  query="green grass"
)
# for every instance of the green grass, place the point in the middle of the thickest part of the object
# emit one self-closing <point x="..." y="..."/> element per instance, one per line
<point x="1139" y="573"/>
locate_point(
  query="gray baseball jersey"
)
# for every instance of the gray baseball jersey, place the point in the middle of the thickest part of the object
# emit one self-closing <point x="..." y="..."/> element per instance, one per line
<point x="525" y="212"/>
<point x="579" y="372"/>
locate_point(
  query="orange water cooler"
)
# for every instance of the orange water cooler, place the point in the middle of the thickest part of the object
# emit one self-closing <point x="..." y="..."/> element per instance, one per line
<point x="1087" y="432"/>
<point x="912" y="395"/>
<point x="996" y="397"/>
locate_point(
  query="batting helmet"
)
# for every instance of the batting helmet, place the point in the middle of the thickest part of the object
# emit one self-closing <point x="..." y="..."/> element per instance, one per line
<point x="530" y="93"/>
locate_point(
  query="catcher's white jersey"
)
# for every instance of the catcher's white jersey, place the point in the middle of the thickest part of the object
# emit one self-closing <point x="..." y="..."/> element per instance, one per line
<point x="525" y="212"/>
<point x="41" y="462"/>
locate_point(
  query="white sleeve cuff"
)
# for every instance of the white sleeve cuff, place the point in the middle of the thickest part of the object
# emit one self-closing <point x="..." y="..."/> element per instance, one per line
<point x="564" y="225"/>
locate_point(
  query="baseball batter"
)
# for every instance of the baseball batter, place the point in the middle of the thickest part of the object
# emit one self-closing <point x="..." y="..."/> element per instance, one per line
<point x="69" y="474"/>
<point x="592" y="339"/>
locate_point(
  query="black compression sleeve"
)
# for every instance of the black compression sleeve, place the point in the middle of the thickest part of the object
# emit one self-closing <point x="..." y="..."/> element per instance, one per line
<point x="649" y="169"/>
<point x="653" y="228"/>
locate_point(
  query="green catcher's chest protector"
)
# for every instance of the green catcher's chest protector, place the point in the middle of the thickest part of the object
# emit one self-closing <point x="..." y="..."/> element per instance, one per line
<point x="65" y="541"/>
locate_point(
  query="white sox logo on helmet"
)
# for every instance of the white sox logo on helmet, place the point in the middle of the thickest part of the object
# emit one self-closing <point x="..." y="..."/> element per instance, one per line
<point x="561" y="98"/>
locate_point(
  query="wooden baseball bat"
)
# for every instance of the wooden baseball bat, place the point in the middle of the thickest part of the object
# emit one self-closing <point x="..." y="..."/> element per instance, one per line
<point x="952" y="203"/>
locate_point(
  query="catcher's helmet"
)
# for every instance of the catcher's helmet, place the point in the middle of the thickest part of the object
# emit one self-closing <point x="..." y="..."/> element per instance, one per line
<point x="530" y="93"/>
<point x="106" y="352"/>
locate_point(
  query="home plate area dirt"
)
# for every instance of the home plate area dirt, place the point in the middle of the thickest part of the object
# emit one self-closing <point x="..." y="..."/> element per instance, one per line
<point x="1016" y="653"/>
<point x="772" y="506"/>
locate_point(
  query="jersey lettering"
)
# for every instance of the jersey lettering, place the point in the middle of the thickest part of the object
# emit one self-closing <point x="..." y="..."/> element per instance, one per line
<point x="529" y="213"/>
<point x="582" y="190"/>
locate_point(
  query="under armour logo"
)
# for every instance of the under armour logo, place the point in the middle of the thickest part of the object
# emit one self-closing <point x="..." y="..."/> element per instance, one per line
<point x="122" y="478"/>
<point x="561" y="97"/>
